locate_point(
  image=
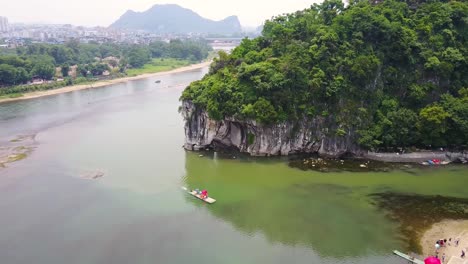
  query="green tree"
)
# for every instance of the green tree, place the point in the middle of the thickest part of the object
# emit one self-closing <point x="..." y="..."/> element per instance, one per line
<point x="61" y="54"/>
<point x="457" y="108"/>
<point x="123" y="65"/>
<point x="113" y="63"/>
<point x="433" y="125"/>
<point x="138" y="56"/>
<point x="98" y="68"/>
<point x="22" y="76"/>
<point x="159" y="49"/>
<point x="44" y="70"/>
<point x="65" y="69"/>
<point x="83" y="70"/>
<point x="264" y="111"/>
<point x="401" y="130"/>
<point x="7" y="74"/>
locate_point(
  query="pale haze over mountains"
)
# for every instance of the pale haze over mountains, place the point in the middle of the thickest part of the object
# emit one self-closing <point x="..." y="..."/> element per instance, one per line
<point x="173" y="18"/>
<point x="105" y="12"/>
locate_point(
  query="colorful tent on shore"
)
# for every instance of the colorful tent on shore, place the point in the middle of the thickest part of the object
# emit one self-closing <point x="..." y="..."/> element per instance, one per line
<point x="432" y="260"/>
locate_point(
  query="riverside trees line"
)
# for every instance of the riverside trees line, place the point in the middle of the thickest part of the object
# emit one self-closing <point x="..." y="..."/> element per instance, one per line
<point x="392" y="73"/>
<point x="42" y="60"/>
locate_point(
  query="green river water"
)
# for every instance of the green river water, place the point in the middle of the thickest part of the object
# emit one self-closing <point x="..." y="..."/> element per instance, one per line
<point x="266" y="211"/>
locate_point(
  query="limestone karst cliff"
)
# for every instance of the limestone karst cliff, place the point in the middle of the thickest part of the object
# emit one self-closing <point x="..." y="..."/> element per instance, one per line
<point x="305" y="136"/>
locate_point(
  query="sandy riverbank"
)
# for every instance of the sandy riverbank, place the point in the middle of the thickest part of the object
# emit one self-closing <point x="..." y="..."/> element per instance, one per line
<point x="98" y="84"/>
<point x="454" y="229"/>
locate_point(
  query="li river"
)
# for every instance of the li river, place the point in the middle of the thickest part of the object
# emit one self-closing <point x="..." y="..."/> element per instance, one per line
<point x="267" y="211"/>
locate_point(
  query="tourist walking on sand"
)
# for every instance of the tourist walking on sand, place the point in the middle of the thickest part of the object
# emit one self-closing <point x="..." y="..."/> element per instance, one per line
<point x="437" y="246"/>
<point x="463" y="254"/>
<point x="443" y="258"/>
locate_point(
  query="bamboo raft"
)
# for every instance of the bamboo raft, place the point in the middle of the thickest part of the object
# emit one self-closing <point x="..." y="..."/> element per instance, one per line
<point x="409" y="258"/>
<point x="206" y="200"/>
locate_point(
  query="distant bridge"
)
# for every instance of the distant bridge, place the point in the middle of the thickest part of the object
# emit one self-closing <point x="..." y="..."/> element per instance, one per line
<point x="224" y="41"/>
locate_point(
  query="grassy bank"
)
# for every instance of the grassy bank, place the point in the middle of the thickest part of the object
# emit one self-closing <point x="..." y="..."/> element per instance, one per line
<point x="156" y="65"/>
<point x="159" y="65"/>
<point x="20" y="90"/>
<point x="30" y="91"/>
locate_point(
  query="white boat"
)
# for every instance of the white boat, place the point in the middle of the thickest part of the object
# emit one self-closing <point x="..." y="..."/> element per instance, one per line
<point x="206" y="200"/>
<point x="444" y="162"/>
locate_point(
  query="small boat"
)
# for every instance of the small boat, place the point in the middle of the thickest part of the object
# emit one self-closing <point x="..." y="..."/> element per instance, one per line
<point x="407" y="257"/>
<point x="158" y="81"/>
<point x="431" y="162"/>
<point x="206" y="200"/>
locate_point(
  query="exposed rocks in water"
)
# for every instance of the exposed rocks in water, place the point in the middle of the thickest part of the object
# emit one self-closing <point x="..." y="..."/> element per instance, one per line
<point x="417" y="213"/>
<point x="22" y="138"/>
<point x="92" y="175"/>
<point x="353" y="165"/>
<point x="316" y="135"/>
<point x="16" y="149"/>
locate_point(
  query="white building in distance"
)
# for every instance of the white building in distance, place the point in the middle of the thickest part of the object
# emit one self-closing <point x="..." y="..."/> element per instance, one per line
<point x="4" y="26"/>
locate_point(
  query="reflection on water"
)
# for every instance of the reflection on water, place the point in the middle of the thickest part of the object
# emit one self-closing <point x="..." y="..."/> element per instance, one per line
<point x="284" y="206"/>
<point x="329" y="212"/>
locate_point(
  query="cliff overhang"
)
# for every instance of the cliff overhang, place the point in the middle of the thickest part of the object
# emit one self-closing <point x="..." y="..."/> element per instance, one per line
<point x="248" y="136"/>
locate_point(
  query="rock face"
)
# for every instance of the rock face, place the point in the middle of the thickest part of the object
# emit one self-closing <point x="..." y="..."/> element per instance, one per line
<point x="315" y="135"/>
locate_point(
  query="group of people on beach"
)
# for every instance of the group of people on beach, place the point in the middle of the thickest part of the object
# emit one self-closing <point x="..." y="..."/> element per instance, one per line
<point x="443" y="243"/>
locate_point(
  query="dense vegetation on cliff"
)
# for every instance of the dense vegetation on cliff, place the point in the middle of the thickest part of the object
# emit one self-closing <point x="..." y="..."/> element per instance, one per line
<point x="395" y="73"/>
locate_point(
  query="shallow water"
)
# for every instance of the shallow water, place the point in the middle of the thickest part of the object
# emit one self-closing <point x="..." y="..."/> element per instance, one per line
<point x="267" y="212"/>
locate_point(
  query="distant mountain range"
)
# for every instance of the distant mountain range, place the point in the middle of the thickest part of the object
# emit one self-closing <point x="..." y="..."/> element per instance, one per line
<point x="176" y="19"/>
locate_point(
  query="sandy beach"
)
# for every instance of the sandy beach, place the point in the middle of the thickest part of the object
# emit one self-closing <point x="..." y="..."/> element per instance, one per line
<point x="447" y="229"/>
<point x="98" y="84"/>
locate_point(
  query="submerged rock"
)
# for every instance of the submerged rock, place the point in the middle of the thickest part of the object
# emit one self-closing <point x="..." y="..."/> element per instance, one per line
<point x="16" y="149"/>
<point x="417" y="213"/>
<point x="92" y="175"/>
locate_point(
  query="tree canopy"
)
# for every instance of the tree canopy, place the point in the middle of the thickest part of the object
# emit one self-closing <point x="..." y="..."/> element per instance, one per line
<point x="395" y="72"/>
<point x="39" y="59"/>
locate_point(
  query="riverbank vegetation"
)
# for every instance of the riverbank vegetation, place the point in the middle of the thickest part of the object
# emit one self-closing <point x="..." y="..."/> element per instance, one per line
<point x="392" y="73"/>
<point x="158" y="65"/>
<point x="37" y="67"/>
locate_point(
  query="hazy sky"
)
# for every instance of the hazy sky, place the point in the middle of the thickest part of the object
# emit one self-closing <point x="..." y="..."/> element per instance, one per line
<point x="104" y="12"/>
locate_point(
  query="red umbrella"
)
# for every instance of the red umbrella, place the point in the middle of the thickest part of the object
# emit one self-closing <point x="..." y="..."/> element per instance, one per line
<point x="432" y="260"/>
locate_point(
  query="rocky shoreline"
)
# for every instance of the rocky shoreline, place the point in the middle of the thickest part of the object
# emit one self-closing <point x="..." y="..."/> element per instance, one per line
<point x="308" y="136"/>
<point x="417" y="157"/>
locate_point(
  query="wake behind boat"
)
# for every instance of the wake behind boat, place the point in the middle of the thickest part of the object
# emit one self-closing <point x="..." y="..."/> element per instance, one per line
<point x="199" y="196"/>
